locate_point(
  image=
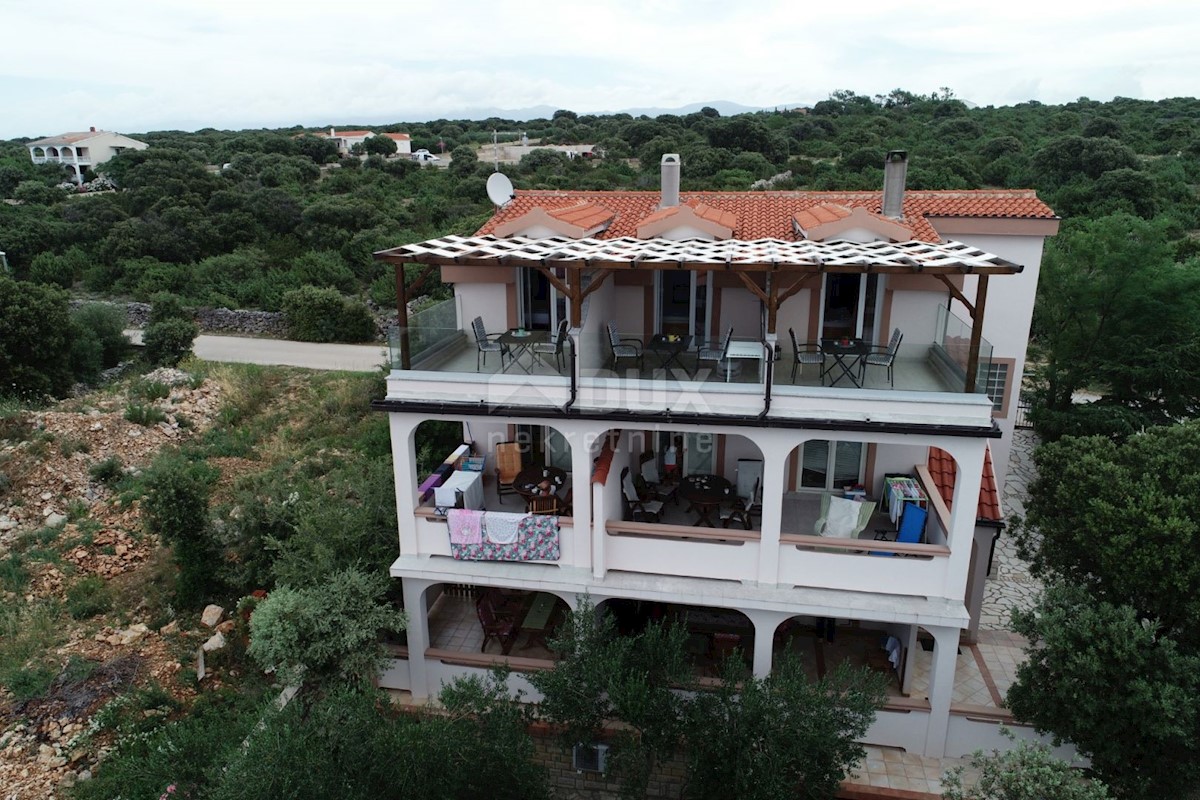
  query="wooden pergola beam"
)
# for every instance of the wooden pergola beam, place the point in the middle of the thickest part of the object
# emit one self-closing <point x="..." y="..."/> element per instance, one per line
<point x="958" y="295"/>
<point x="402" y="307"/>
<point x="976" y="333"/>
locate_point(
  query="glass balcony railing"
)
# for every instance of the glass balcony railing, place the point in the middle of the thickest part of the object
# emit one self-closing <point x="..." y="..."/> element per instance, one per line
<point x="951" y="351"/>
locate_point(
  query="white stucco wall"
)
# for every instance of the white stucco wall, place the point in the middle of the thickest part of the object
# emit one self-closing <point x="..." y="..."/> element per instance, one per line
<point x="741" y="310"/>
<point x="487" y="300"/>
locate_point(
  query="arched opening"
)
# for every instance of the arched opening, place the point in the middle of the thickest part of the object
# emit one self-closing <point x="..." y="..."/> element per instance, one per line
<point x="471" y="620"/>
<point x="713" y="634"/>
<point x="520" y="468"/>
<point x="820" y="644"/>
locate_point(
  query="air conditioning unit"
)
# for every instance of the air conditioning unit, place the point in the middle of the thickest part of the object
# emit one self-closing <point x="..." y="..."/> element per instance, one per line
<point x="589" y="757"/>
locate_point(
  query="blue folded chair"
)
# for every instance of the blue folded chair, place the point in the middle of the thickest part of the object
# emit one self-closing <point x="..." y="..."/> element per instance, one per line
<point x="912" y="528"/>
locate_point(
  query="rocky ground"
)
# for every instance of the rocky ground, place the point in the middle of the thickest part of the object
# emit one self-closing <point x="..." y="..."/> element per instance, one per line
<point x="52" y="504"/>
<point x="1010" y="585"/>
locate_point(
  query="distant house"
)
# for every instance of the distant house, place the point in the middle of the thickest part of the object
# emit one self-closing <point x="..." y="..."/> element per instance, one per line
<point x="403" y="142"/>
<point x="345" y="140"/>
<point x="81" y="151"/>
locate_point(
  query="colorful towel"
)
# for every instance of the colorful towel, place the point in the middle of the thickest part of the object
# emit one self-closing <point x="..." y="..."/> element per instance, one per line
<point x="466" y="526"/>
<point x="538" y="540"/>
<point x="500" y="527"/>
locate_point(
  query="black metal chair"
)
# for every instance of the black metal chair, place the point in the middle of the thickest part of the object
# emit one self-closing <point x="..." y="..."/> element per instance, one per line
<point x="554" y="347"/>
<point x="808" y="353"/>
<point x="623" y="348"/>
<point x="487" y="344"/>
<point x="717" y="354"/>
<point x="883" y="357"/>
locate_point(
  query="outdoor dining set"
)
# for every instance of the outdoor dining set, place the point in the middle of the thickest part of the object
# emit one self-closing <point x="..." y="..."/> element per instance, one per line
<point x="645" y="497"/>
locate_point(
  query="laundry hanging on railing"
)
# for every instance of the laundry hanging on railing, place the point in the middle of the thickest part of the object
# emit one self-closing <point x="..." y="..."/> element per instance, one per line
<point x="522" y="537"/>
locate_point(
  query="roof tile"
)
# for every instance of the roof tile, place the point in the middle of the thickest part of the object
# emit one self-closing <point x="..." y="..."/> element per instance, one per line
<point x="770" y="215"/>
<point x="941" y="468"/>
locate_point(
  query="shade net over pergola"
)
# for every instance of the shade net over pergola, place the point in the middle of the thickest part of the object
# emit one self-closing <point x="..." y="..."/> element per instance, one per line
<point x="758" y="255"/>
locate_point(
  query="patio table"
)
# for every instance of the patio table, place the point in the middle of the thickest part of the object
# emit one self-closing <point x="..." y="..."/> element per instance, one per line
<point x="539" y="481"/>
<point x="537" y="622"/>
<point x="705" y="494"/>
<point x="519" y="342"/>
<point x="669" y="348"/>
<point x="846" y="355"/>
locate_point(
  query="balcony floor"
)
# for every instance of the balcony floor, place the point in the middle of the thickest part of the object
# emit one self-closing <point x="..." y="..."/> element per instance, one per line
<point x="911" y="374"/>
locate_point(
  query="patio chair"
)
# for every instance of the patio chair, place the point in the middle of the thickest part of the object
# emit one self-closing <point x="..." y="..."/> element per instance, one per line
<point x="882" y="357"/>
<point x="910" y="531"/>
<point x="740" y="511"/>
<point x="554" y="347"/>
<point x="508" y="466"/>
<point x="637" y="509"/>
<point x="841" y="518"/>
<point x="486" y="343"/>
<point x="501" y="628"/>
<point x="807" y="353"/>
<point x="717" y="354"/>
<point x="548" y="505"/>
<point x="623" y="348"/>
<point x="654" y="482"/>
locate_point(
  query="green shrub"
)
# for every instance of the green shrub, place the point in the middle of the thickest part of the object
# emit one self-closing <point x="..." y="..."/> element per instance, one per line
<point x="108" y="471"/>
<point x="88" y="597"/>
<point x="322" y="315"/>
<point x="52" y="269"/>
<point x="169" y="342"/>
<point x="106" y="324"/>
<point x="165" y="306"/>
<point x="13" y="575"/>
<point x="144" y="415"/>
<point x="176" y="508"/>
<point x="71" y="445"/>
<point x="150" y="390"/>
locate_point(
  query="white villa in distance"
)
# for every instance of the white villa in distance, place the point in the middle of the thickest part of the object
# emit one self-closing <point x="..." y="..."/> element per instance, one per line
<point x="81" y="151"/>
<point x="781" y="419"/>
<point x="347" y="139"/>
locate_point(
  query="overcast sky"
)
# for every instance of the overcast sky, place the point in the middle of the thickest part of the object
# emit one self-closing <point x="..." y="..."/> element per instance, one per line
<point x="138" y="66"/>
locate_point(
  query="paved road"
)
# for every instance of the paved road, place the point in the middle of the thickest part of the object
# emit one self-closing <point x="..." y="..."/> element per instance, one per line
<point x="248" y="350"/>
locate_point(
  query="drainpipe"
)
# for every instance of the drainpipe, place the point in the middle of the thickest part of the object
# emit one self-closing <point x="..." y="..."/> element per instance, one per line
<point x="566" y="409"/>
<point x="770" y="373"/>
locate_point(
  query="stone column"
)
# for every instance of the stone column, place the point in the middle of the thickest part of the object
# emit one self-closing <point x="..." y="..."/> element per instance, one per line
<point x="417" y="609"/>
<point x="941" y="688"/>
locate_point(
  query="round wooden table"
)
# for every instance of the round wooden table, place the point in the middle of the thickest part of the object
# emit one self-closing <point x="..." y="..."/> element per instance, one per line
<point x="705" y="494"/>
<point x="540" y="482"/>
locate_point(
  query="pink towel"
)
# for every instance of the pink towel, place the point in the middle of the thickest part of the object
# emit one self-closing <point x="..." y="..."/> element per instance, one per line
<point x="466" y="526"/>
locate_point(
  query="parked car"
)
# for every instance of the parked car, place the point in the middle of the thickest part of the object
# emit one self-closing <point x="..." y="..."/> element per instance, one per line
<point x="424" y="155"/>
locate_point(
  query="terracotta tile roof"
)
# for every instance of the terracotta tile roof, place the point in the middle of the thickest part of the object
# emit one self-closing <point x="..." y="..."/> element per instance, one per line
<point x="397" y="137"/>
<point x="726" y="219"/>
<point x="941" y="468"/>
<point x="603" y="463"/>
<point x="584" y="215"/>
<point x="810" y="218"/>
<point x="770" y="215"/>
<point x="354" y="133"/>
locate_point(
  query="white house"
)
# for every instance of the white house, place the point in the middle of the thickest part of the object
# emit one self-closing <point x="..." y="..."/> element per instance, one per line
<point x="676" y="361"/>
<point x="403" y="142"/>
<point x="345" y="139"/>
<point x="81" y="151"/>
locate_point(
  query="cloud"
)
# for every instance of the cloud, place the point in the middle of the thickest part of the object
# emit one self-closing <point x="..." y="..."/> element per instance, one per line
<point x="142" y="66"/>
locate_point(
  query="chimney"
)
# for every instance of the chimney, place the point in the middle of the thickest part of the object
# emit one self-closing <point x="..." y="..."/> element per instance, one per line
<point x="670" y="180"/>
<point x="93" y="129"/>
<point x="332" y="132"/>
<point x="895" y="172"/>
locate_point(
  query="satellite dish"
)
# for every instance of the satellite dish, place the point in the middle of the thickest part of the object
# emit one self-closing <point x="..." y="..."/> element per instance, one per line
<point x="499" y="189"/>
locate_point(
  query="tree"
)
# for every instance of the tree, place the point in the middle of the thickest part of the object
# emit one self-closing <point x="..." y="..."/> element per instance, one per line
<point x="1141" y="739"/>
<point x="1029" y="771"/>
<point x="1113" y="529"/>
<point x="98" y="339"/>
<point x="176" y="509"/>
<point x="1114" y="313"/>
<point x="602" y="678"/>
<point x="327" y="633"/>
<point x="779" y="736"/>
<point x="379" y="145"/>
<point x="322" y="315"/>
<point x="463" y="160"/>
<point x="169" y="342"/>
<point x="34" y="340"/>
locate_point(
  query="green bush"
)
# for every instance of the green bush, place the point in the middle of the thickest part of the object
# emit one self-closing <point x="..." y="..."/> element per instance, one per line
<point x="108" y="471"/>
<point x="144" y="415"/>
<point x="35" y="340"/>
<point x="165" y="306"/>
<point x="89" y="597"/>
<point x="98" y="340"/>
<point x="149" y="390"/>
<point x="170" y="341"/>
<point x="176" y="508"/>
<point x="322" y="315"/>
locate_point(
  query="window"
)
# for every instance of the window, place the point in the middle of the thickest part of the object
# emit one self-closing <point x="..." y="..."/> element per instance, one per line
<point x="993" y="379"/>
<point x="830" y="465"/>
